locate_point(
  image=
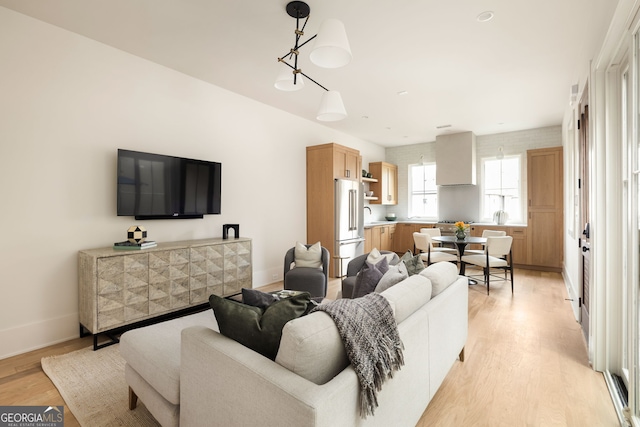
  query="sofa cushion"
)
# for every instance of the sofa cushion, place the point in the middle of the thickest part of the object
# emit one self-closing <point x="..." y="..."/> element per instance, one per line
<point x="394" y="275"/>
<point x="414" y="263"/>
<point x="308" y="257"/>
<point x="257" y="298"/>
<point x="312" y="348"/>
<point x="154" y="352"/>
<point x="408" y="296"/>
<point x="441" y="274"/>
<point x="368" y="278"/>
<point x="259" y="330"/>
<point x="375" y="256"/>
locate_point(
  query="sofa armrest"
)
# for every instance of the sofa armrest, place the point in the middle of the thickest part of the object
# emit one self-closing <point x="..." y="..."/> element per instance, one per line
<point x="224" y="383"/>
<point x="448" y="329"/>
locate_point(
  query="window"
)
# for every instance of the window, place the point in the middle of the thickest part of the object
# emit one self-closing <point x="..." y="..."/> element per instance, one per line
<point x="423" y="193"/>
<point x="501" y="182"/>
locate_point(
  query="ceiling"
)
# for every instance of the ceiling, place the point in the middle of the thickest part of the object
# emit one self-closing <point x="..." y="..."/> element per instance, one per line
<point x="513" y="72"/>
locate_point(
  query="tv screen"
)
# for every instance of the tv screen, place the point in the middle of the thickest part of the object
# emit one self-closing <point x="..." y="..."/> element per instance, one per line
<point x="155" y="186"/>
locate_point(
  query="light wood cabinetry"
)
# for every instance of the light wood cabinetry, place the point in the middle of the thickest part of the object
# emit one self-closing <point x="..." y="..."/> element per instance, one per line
<point x="117" y="288"/>
<point x="368" y="240"/>
<point x="325" y="163"/>
<point x="347" y="163"/>
<point x="403" y="239"/>
<point x="545" y="241"/>
<point x="380" y="237"/>
<point x="386" y="189"/>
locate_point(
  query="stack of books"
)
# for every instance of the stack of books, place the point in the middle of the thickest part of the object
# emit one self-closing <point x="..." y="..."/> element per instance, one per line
<point x="127" y="245"/>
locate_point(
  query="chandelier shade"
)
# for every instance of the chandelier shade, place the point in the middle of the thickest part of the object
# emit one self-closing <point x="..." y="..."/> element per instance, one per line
<point x="285" y="81"/>
<point x="331" y="47"/>
<point x="331" y="107"/>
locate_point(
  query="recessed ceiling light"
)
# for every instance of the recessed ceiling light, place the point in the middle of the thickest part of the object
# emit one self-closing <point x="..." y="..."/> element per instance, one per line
<point x="443" y="126"/>
<point x="403" y="92"/>
<point x="365" y="117"/>
<point x="485" y="16"/>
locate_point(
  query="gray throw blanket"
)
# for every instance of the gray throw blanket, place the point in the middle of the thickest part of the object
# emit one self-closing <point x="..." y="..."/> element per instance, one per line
<point x="371" y="340"/>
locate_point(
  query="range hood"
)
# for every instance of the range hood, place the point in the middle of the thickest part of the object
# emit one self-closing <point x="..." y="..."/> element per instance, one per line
<point x="456" y="159"/>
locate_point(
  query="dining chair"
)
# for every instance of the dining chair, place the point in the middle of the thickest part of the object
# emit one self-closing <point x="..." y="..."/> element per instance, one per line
<point x="428" y="253"/>
<point x="485" y="234"/>
<point x="435" y="232"/>
<point x="497" y="254"/>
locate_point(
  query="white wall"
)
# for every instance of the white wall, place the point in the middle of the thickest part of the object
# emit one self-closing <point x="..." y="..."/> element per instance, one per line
<point x="66" y="104"/>
<point x="486" y="146"/>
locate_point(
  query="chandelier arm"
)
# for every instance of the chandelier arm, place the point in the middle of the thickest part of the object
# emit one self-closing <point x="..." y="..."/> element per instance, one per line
<point x="307" y="41"/>
<point x="314" y="81"/>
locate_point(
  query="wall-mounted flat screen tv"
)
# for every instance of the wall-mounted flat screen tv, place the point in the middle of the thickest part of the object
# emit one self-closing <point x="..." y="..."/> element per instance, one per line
<point x="155" y="186"/>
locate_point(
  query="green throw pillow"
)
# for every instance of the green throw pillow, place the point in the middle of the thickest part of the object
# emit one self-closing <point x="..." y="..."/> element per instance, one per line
<point x="257" y="298"/>
<point x="257" y="329"/>
<point x="414" y="263"/>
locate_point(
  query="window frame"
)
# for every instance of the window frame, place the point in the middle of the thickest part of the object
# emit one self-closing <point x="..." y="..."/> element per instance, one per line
<point x="410" y="210"/>
<point x="520" y="189"/>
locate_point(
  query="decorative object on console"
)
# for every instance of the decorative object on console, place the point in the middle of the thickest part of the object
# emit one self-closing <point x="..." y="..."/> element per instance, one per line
<point x="331" y="50"/>
<point x="137" y="234"/>
<point x="127" y="245"/>
<point x="234" y="227"/>
<point x="461" y="229"/>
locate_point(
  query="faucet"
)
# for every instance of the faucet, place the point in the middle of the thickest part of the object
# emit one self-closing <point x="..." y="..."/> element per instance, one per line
<point x="367" y="207"/>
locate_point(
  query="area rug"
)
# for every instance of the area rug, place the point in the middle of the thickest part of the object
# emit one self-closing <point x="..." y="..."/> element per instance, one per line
<point x="92" y="385"/>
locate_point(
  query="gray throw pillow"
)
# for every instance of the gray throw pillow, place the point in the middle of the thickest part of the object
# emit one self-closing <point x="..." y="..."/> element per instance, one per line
<point x="396" y="274"/>
<point x="414" y="263"/>
<point x="257" y="329"/>
<point x="368" y="277"/>
<point x="257" y="298"/>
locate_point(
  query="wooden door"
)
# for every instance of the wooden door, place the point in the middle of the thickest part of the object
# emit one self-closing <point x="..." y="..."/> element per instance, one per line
<point x="545" y="219"/>
<point x="584" y="189"/>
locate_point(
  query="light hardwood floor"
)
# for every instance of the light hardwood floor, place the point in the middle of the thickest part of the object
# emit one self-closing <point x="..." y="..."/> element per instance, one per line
<point x="525" y="364"/>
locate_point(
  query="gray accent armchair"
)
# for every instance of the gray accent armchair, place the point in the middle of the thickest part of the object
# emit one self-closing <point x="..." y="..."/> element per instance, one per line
<point x="312" y="280"/>
<point x="354" y="266"/>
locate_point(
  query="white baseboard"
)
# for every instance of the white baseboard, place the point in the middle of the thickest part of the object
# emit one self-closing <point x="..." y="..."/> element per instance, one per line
<point x="34" y="336"/>
<point x="572" y="294"/>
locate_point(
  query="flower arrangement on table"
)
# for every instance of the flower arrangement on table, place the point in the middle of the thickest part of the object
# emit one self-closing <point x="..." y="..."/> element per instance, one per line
<point x="461" y="228"/>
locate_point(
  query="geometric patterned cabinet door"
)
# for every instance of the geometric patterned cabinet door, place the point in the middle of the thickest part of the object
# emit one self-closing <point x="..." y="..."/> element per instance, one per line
<point x="117" y="287"/>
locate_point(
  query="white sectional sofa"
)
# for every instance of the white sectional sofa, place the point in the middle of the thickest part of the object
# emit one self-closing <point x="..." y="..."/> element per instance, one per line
<point x="188" y="374"/>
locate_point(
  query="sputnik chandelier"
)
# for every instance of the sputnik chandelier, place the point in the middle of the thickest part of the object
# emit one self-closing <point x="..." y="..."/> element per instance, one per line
<point x="330" y="50"/>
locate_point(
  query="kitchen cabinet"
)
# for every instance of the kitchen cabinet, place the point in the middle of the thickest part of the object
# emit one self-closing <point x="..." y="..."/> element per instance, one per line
<point x="325" y="163"/>
<point x="386" y="189"/>
<point x="347" y="163"/>
<point x="380" y="237"/>
<point x="368" y="242"/>
<point x="403" y="238"/>
<point x="545" y="241"/>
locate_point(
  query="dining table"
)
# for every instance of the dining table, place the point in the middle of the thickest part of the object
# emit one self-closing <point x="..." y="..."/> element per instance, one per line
<point x="461" y="244"/>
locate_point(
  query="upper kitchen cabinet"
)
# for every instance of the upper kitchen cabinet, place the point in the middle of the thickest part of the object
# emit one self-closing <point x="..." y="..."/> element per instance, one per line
<point x="545" y="218"/>
<point x="456" y="159"/>
<point x="347" y="163"/>
<point x="325" y="163"/>
<point x="386" y="189"/>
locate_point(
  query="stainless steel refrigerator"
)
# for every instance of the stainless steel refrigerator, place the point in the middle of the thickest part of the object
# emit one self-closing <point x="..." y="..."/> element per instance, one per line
<point x="349" y="224"/>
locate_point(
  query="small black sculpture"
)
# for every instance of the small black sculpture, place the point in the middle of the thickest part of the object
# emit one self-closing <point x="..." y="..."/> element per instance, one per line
<point x="225" y="230"/>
